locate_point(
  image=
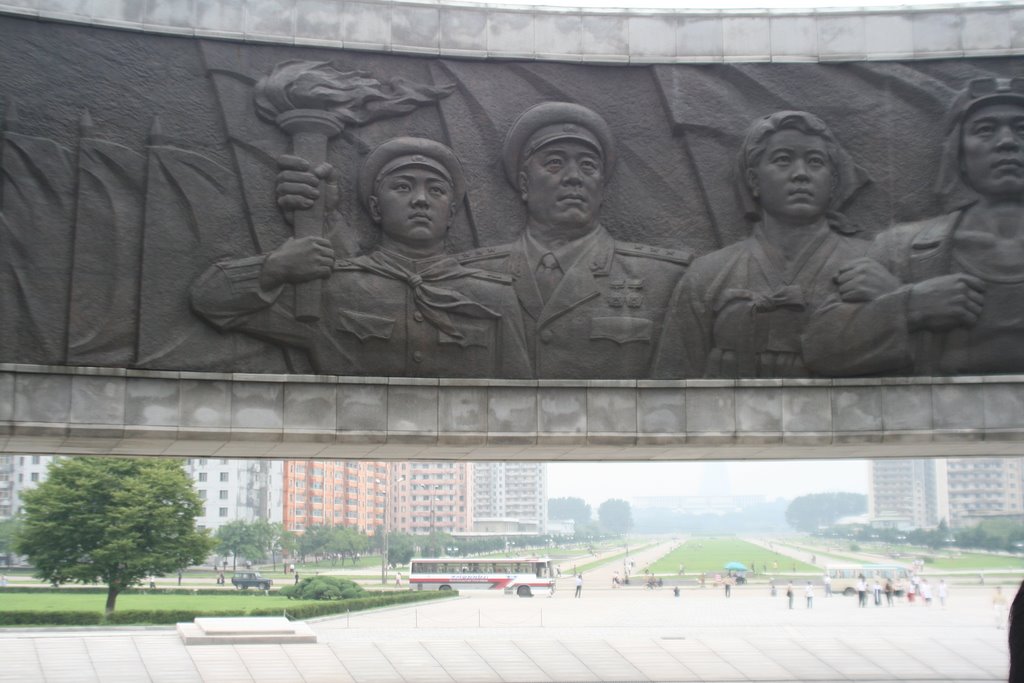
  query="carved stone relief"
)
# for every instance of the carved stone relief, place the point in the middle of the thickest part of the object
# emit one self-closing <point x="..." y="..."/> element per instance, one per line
<point x="259" y="208"/>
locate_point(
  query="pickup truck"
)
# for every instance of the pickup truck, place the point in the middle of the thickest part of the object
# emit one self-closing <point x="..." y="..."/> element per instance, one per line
<point x="245" y="580"/>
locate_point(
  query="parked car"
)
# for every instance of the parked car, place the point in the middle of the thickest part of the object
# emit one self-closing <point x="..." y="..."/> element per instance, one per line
<point x="245" y="580"/>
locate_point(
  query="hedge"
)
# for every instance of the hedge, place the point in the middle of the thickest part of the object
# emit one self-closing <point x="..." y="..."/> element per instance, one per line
<point x="318" y="609"/>
<point x="128" y="591"/>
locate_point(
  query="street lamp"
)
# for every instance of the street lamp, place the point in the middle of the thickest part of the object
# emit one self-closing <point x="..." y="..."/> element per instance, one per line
<point x="384" y="534"/>
<point x="432" y="496"/>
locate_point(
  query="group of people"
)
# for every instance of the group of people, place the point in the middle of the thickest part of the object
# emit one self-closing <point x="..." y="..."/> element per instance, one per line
<point x="791" y="594"/>
<point x="916" y="588"/>
<point x="806" y="294"/>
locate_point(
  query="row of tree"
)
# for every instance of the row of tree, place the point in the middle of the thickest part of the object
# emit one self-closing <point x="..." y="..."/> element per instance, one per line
<point x="614" y="516"/>
<point x="1001" y="535"/>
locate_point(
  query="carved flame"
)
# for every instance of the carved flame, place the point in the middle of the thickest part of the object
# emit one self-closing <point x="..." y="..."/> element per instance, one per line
<point x="354" y="97"/>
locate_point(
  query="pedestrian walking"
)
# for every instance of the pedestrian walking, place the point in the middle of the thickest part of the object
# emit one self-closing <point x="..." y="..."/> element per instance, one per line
<point x="809" y="594"/>
<point x="862" y="591"/>
<point x="827" y="580"/>
<point x="728" y="586"/>
<point x="926" y="592"/>
<point x="999" y="607"/>
<point x="888" y="592"/>
<point x="579" y="585"/>
<point x="789" y="594"/>
<point x="398" y="579"/>
<point x="943" y="593"/>
<point x="876" y="589"/>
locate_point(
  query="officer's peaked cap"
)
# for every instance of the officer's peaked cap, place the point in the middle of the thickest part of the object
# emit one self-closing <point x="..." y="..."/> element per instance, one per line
<point x="550" y="121"/>
<point x="403" y="152"/>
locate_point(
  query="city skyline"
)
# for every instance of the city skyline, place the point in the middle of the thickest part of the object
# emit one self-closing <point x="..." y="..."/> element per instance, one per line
<point x="773" y="479"/>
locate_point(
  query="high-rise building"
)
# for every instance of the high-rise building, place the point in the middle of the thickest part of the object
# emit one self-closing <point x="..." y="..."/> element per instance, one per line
<point x="984" y="488"/>
<point x="430" y="496"/>
<point x="907" y="494"/>
<point x="231" y="490"/>
<point x="19" y="473"/>
<point x="334" y="493"/>
<point x="512" y="491"/>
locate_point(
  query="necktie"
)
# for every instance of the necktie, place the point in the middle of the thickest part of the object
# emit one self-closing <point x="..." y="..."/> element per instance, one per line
<point x="548" y="275"/>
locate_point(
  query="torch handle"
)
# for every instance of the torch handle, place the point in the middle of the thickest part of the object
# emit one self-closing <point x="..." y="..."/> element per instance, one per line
<point x="311" y="146"/>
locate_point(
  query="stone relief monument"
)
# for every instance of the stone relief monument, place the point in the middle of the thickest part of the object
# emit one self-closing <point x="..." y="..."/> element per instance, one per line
<point x="263" y="208"/>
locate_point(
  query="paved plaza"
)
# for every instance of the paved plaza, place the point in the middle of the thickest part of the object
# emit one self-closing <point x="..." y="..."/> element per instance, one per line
<point x="631" y="634"/>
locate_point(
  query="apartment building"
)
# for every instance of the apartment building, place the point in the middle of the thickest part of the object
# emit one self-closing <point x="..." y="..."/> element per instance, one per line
<point x="984" y="488"/>
<point x="511" y="491"/>
<point x="431" y="496"/>
<point x="231" y="490"/>
<point x="19" y="473"/>
<point x="908" y="493"/>
<point x="334" y="493"/>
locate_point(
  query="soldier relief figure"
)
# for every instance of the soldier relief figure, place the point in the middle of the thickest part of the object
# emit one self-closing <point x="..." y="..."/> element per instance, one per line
<point x="960" y="309"/>
<point x="406" y="308"/>
<point x="742" y="311"/>
<point x="592" y="305"/>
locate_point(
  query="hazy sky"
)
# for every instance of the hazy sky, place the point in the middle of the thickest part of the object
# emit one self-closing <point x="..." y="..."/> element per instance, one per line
<point x="597" y="482"/>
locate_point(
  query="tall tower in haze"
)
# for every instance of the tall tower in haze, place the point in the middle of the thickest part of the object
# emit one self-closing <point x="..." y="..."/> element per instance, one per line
<point x="714" y="480"/>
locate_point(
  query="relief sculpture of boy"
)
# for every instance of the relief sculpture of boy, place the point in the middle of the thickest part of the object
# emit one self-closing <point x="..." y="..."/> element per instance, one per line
<point x="405" y="309"/>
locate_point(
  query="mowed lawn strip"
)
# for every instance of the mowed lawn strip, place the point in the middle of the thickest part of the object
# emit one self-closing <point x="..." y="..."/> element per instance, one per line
<point x="71" y="602"/>
<point x="710" y="555"/>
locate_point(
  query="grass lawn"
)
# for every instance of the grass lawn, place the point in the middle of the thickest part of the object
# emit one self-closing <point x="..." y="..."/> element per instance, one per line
<point x="711" y="555"/>
<point x="71" y="602"/>
<point x="973" y="561"/>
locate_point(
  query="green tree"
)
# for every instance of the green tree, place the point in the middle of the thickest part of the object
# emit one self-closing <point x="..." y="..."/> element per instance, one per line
<point x="314" y="541"/>
<point x="615" y="515"/>
<point x="575" y="509"/>
<point x="279" y="540"/>
<point x="433" y="544"/>
<point x="347" y="542"/>
<point x="240" y="538"/>
<point x="112" y="520"/>
<point x="8" y="532"/>
<point x="808" y="513"/>
<point x="401" y="548"/>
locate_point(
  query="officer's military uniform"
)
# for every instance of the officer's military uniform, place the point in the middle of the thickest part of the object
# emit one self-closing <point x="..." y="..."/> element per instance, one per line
<point x="604" y="317"/>
<point x="371" y="323"/>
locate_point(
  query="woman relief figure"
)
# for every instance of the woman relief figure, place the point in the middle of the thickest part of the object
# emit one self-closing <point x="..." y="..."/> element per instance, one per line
<point x="742" y="311"/>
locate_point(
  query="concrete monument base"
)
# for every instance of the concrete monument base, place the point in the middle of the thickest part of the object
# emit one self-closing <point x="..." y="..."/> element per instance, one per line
<point x="244" y="631"/>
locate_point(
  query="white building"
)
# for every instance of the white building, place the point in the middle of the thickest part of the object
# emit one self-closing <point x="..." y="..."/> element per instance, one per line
<point x="984" y="488"/>
<point x="20" y="473"/>
<point x="231" y="490"/>
<point x="908" y="494"/>
<point x="512" y="490"/>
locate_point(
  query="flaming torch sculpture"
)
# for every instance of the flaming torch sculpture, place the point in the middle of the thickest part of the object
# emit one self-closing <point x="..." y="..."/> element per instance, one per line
<point x="313" y="102"/>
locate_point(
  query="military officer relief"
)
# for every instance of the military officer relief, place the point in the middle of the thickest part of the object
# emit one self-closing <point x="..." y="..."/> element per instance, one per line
<point x="404" y="309"/>
<point x="592" y="305"/>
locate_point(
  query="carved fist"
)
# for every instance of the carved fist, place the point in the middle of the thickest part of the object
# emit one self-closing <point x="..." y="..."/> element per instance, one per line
<point x="945" y="302"/>
<point x="864" y="279"/>
<point x="297" y="260"/>
<point x="299" y="184"/>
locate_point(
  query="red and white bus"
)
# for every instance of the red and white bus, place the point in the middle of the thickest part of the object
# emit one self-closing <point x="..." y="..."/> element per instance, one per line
<point x="522" y="576"/>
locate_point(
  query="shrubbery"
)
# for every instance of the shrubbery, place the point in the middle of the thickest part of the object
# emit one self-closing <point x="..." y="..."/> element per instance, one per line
<point x="323" y="588"/>
<point x="304" y="611"/>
